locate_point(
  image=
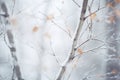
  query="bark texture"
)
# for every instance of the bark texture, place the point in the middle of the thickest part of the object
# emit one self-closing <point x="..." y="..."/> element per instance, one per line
<point x="113" y="63"/>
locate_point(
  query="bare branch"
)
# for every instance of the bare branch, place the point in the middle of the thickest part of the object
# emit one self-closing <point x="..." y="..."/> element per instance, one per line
<point x="57" y="60"/>
<point x="16" y="67"/>
<point x="4" y="8"/>
<point x="76" y="3"/>
<point x="75" y="39"/>
<point x="83" y="43"/>
<point x="6" y="42"/>
<point x="92" y="38"/>
<point x="52" y="21"/>
<point x="14" y="1"/>
<point x="85" y="29"/>
<point x="94" y="48"/>
<point x="91" y="3"/>
<point x="94" y="12"/>
<point x="11" y="46"/>
<point x="74" y="63"/>
<point x="61" y="28"/>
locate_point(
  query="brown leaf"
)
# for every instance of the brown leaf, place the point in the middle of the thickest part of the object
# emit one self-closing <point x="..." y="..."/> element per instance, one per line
<point x="80" y="51"/>
<point x="93" y="16"/>
<point x="35" y="29"/>
<point x="117" y="1"/>
<point x="117" y="12"/>
<point x="50" y="17"/>
<point x="109" y="4"/>
<point x="114" y="71"/>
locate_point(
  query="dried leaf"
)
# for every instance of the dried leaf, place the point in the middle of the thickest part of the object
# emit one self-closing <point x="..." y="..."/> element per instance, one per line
<point x="114" y="71"/>
<point x="50" y="17"/>
<point x="47" y="35"/>
<point x="117" y="12"/>
<point x="80" y="51"/>
<point x="109" y="4"/>
<point x="93" y="16"/>
<point x="35" y="29"/>
<point x="111" y="19"/>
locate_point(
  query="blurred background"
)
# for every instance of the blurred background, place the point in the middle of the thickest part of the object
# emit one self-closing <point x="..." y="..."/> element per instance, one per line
<point x="36" y="38"/>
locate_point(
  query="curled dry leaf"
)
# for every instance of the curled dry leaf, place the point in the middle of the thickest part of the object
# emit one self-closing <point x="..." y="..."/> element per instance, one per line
<point x="93" y="16"/>
<point x="80" y="51"/>
<point x="35" y="29"/>
<point x="50" y="17"/>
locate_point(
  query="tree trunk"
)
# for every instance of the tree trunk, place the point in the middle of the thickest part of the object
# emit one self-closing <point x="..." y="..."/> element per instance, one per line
<point x="113" y="66"/>
<point x="16" y="67"/>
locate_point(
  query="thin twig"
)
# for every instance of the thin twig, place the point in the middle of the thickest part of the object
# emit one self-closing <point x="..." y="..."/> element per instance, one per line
<point x="94" y="12"/>
<point x="52" y="21"/>
<point x="91" y="50"/>
<point x="74" y="63"/>
<point x="61" y="28"/>
<point x="76" y="3"/>
<point x="6" y="42"/>
<point x="14" y="1"/>
<point x="94" y="48"/>
<point x="91" y="22"/>
<point x="85" y="29"/>
<point x="92" y="38"/>
<point x="91" y="3"/>
<point x="57" y="60"/>
<point x="83" y="43"/>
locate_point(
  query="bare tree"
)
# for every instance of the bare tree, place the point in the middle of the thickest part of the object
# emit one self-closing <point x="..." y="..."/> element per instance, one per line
<point x="11" y="46"/>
